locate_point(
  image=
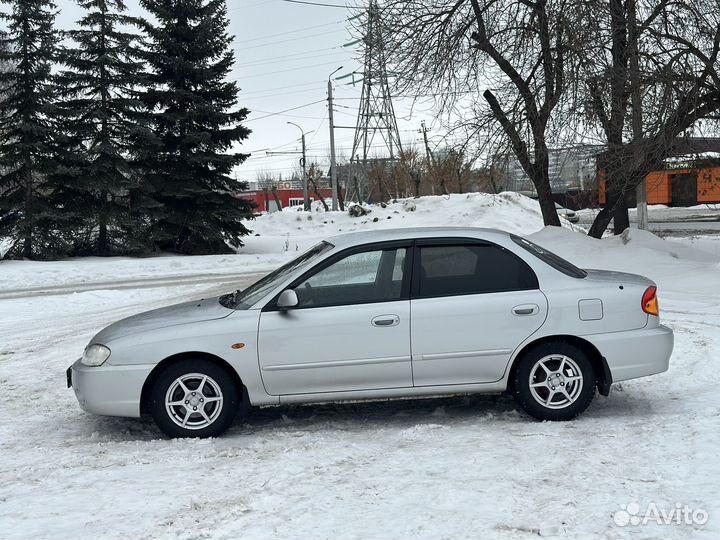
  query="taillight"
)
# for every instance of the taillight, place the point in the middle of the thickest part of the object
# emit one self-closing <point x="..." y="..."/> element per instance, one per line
<point x="650" y="302"/>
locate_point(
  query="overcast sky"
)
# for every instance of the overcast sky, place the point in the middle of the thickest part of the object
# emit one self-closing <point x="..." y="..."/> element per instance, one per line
<point x="284" y="54"/>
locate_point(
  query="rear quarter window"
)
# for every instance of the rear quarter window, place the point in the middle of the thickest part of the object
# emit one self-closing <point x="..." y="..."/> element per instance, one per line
<point x="549" y="258"/>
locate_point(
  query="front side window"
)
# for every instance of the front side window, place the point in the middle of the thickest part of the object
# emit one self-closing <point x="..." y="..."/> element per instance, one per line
<point x="365" y="277"/>
<point x="452" y="270"/>
<point x="245" y="298"/>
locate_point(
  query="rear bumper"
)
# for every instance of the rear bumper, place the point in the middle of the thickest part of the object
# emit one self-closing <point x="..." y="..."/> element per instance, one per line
<point x="109" y="390"/>
<point x="635" y="353"/>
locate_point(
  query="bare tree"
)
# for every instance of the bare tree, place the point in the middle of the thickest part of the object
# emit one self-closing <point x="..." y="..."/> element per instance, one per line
<point x="268" y="183"/>
<point x="454" y="171"/>
<point x="410" y="169"/>
<point x="519" y="51"/>
<point x="494" y="178"/>
<point x="379" y="178"/>
<point x="314" y="176"/>
<point x="652" y="76"/>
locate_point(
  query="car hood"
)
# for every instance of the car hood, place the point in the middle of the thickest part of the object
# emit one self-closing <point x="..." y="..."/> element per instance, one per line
<point x="188" y="312"/>
<point x="617" y="277"/>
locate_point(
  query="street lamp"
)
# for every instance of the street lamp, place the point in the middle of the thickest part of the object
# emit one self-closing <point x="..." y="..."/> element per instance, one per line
<point x="306" y="198"/>
<point x="333" y="171"/>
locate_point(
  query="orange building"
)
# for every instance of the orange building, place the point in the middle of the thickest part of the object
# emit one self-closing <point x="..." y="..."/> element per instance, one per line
<point x="680" y="185"/>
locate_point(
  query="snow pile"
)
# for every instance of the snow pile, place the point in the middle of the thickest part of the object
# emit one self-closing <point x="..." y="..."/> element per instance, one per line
<point x="297" y="229"/>
<point x="671" y="264"/>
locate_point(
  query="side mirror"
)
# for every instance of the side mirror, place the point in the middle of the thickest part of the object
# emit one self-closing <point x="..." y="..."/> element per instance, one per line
<point x="287" y="299"/>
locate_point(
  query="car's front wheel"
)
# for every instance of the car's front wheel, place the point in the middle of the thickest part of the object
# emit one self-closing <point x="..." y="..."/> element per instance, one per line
<point x="194" y="398"/>
<point x="554" y="381"/>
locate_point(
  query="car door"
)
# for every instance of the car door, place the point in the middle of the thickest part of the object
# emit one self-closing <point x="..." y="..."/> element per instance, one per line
<point x="472" y="304"/>
<point x="350" y="330"/>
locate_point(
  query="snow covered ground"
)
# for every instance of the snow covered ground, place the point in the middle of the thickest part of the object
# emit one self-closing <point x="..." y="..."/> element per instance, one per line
<point x="447" y="468"/>
<point x="662" y="212"/>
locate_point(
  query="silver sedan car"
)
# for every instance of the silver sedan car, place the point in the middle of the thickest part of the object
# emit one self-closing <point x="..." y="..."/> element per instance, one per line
<point x="377" y="315"/>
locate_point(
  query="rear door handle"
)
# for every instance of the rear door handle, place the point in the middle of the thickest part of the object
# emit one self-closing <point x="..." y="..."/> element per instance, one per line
<point x="526" y="309"/>
<point x="386" y="320"/>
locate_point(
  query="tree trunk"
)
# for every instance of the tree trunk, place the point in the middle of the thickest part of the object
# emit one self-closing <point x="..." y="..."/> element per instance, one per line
<point x="341" y="199"/>
<point x="356" y="187"/>
<point x="266" y="194"/>
<point x="621" y="220"/>
<point x="395" y="182"/>
<point x="102" y="246"/>
<point x="606" y="214"/>
<point x="276" y="198"/>
<point x="443" y="187"/>
<point x="547" y="205"/>
<point x="28" y="224"/>
<point x="317" y="194"/>
<point x="459" y="179"/>
<point x="601" y="222"/>
<point x="642" y="211"/>
<point x="383" y="191"/>
<point x="102" y="242"/>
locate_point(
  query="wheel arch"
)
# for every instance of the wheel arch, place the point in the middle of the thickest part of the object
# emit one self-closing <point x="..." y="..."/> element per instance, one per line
<point x="194" y="355"/>
<point x="603" y="377"/>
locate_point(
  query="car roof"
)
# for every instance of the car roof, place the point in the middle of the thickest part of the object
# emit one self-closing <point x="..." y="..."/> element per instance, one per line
<point x="409" y="233"/>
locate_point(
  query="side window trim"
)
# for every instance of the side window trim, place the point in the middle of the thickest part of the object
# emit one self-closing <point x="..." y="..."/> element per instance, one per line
<point x="438" y="242"/>
<point x="364" y="248"/>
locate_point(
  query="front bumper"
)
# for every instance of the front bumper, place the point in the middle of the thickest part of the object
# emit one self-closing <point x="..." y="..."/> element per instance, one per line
<point x="108" y="390"/>
<point x="635" y="353"/>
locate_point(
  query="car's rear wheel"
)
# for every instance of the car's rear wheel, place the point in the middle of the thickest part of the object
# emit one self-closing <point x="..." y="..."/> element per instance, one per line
<point x="554" y="381"/>
<point x="194" y="398"/>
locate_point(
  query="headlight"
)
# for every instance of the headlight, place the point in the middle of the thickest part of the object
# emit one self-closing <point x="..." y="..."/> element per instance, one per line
<point x="95" y="355"/>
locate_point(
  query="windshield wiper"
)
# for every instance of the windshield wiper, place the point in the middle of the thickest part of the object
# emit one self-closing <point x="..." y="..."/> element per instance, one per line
<point x="230" y="300"/>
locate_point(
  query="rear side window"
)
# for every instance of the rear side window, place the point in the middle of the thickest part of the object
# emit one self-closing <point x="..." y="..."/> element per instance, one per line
<point x="453" y="270"/>
<point x="548" y="257"/>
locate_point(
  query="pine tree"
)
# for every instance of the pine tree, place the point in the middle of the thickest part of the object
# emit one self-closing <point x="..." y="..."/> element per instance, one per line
<point x="100" y="112"/>
<point x="186" y="155"/>
<point x="26" y="128"/>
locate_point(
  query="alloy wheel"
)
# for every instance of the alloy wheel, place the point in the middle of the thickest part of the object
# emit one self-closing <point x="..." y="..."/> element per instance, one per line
<point x="194" y="401"/>
<point x="556" y="381"/>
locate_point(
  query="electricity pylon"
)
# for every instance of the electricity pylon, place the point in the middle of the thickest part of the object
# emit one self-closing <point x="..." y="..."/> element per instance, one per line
<point x="376" y="130"/>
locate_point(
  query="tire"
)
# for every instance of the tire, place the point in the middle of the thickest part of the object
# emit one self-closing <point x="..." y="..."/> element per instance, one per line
<point x="203" y="385"/>
<point x="545" y="392"/>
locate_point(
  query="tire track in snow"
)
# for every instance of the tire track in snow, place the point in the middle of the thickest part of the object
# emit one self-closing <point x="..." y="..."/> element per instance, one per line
<point x="141" y="283"/>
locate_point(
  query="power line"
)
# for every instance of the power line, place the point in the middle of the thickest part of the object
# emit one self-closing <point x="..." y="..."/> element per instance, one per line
<point x="305" y="29"/>
<point x="293" y="92"/>
<point x="289" y="115"/>
<point x="283" y="87"/>
<point x="286" y="40"/>
<point x="270" y="147"/>
<point x="299" y="68"/>
<point x="284" y="111"/>
<point x="315" y="4"/>
<point x="290" y="57"/>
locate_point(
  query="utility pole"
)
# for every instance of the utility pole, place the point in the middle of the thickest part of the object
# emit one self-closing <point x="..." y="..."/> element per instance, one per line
<point x="333" y="168"/>
<point x="306" y="198"/>
<point x="428" y="155"/>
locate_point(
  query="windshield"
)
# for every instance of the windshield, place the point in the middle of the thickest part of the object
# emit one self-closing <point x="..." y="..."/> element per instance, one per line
<point x="243" y="299"/>
<point x="548" y="257"/>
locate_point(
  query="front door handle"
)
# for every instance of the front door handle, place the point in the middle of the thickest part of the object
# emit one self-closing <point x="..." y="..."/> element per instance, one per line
<point x="526" y="309"/>
<point x="386" y="320"/>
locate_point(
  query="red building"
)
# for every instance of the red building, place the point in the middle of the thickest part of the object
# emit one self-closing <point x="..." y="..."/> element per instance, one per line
<point x="287" y="197"/>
